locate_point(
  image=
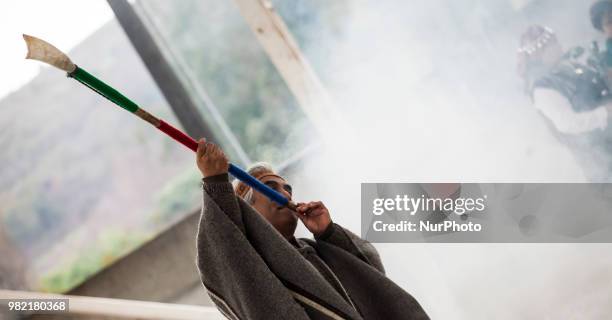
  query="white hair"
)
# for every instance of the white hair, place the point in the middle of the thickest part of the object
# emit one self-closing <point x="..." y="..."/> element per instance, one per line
<point x="253" y="169"/>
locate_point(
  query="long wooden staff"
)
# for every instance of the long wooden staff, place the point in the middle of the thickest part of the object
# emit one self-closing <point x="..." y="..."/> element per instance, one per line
<point x="42" y="51"/>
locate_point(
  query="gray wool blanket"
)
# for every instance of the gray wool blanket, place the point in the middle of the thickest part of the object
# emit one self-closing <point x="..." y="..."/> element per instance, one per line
<point x="251" y="272"/>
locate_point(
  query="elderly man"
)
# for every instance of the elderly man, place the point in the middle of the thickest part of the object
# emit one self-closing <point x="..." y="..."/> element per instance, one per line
<point x="254" y="268"/>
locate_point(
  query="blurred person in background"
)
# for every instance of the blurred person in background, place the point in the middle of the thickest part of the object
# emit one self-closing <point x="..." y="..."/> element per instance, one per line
<point x="253" y="267"/>
<point x="573" y="96"/>
<point x="601" y="18"/>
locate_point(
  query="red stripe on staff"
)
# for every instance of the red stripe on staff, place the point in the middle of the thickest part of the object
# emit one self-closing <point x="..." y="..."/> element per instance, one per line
<point x="178" y="135"/>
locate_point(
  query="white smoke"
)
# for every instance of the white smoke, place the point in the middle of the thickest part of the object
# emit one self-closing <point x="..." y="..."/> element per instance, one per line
<point x="431" y="91"/>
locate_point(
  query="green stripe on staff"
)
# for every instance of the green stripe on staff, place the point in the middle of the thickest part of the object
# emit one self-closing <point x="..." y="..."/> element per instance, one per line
<point x="103" y="89"/>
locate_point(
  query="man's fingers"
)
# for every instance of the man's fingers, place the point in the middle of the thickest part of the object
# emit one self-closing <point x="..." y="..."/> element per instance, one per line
<point x="218" y="153"/>
<point x="210" y="159"/>
<point x="315" y="212"/>
<point x="300" y="215"/>
<point x="201" y="148"/>
<point x="311" y="209"/>
<point x="302" y="207"/>
<point x="314" y="204"/>
<point x="210" y="150"/>
<point x="305" y="207"/>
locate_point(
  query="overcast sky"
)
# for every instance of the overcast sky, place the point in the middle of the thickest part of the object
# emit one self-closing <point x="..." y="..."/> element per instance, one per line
<point x="64" y="23"/>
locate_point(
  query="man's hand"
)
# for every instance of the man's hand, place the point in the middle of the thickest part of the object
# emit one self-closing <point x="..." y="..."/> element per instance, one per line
<point x="315" y="216"/>
<point x="210" y="159"/>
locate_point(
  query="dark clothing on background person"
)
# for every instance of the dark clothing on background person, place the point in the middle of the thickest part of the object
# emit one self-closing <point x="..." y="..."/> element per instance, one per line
<point x="603" y="58"/>
<point x="251" y="272"/>
<point x="601" y="61"/>
<point x="597" y="12"/>
<point x="577" y="79"/>
<point x="600" y="18"/>
<point x="577" y="117"/>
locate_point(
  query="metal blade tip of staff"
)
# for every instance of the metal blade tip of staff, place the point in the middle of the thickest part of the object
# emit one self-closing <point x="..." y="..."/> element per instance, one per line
<point x="45" y="52"/>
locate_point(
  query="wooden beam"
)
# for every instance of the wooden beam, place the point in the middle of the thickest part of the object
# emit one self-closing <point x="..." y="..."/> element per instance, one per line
<point x="164" y="76"/>
<point x="130" y="309"/>
<point x="278" y="43"/>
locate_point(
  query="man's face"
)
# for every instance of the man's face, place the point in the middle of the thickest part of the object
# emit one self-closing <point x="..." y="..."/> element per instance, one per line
<point x="606" y="23"/>
<point x="283" y="219"/>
